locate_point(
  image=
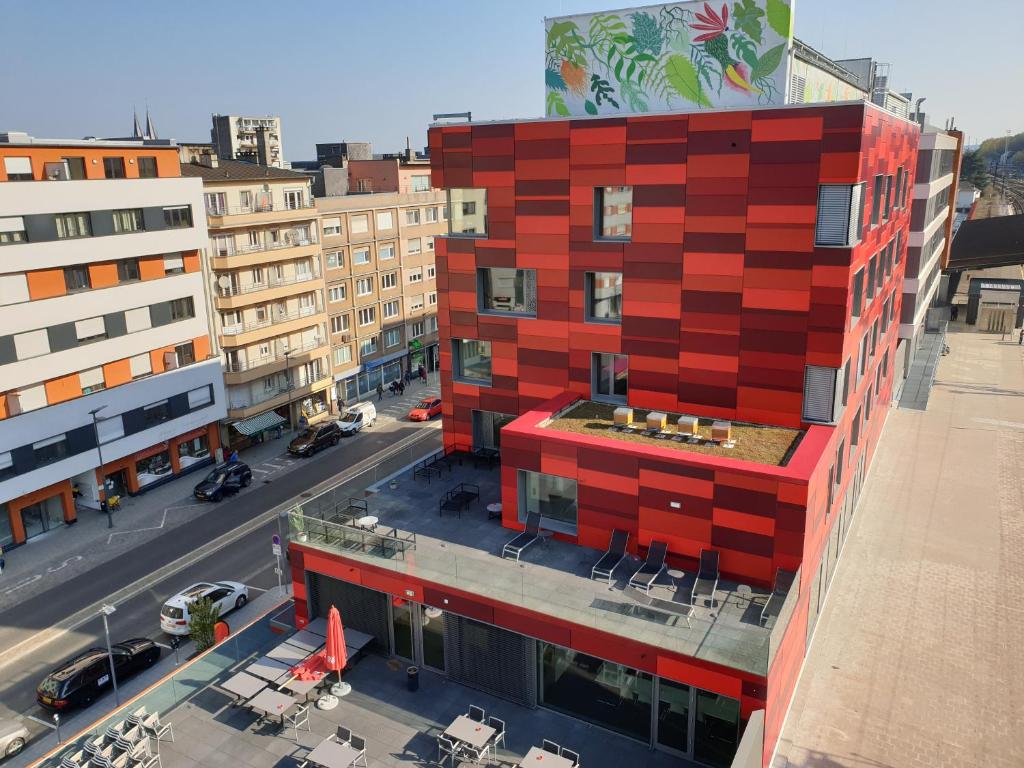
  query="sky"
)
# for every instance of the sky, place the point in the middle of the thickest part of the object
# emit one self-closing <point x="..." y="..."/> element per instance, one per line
<point x="378" y="70"/>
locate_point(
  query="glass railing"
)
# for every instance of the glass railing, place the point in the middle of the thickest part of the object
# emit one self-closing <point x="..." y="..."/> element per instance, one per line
<point x="233" y="330"/>
<point x="231" y="290"/>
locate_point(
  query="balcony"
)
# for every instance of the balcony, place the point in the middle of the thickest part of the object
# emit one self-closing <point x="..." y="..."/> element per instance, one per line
<point x="246" y="370"/>
<point x="274" y="324"/>
<point x="232" y="297"/>
<point x="243" y="408"/>
<point x="235" y="257"/>
<point x="242" y="215"/>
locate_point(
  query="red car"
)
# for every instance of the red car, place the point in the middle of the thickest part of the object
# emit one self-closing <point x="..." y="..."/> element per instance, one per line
<point x="425" y="409"/>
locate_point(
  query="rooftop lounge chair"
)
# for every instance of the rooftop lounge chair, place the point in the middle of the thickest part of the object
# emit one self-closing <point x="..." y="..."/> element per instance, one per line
<point x="610" y="560"/>
<point x="519" y="544"/>
<point x="783" y="582"/>
<point x="707" y="577"/>
<point x="652" y="567"/>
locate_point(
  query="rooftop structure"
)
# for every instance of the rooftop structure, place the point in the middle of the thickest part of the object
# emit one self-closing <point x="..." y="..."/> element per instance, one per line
<point x="249" y="138"/>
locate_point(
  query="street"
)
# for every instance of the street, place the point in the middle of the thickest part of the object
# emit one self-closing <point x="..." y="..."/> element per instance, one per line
<point x="40" y="633"/>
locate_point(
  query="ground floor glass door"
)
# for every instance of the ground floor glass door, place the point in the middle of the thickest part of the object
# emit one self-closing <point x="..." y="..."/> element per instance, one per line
<point x="417" y="633"/>
<point x="672" y="726"/>
<point x="402" y="612"/>
<point x="42" y="516"/>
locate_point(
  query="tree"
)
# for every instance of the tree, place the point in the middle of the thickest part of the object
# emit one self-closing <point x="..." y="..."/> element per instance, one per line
<point x="972" y="169"/>
<point x="203" y="617"/>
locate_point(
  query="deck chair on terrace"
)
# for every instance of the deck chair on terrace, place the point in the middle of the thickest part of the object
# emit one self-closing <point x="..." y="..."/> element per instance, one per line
<point x="610" y="560"/>
<point x="652" y="567"/>
<point x="531" y="535"/>
<point x="707" y="577"/>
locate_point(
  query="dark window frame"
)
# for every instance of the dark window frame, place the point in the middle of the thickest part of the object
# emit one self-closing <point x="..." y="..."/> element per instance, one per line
<point x="113" y="168"/>
<point x="599" y="193"/>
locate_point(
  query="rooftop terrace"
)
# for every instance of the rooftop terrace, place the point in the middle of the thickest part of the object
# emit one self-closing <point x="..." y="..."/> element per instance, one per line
<point x="552" y="578"/>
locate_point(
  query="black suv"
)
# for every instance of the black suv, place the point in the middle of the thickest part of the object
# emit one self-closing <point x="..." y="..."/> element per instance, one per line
<point x="315" y="438"/>
<point x="81" y="680"/>
<point x="223" y="480"/>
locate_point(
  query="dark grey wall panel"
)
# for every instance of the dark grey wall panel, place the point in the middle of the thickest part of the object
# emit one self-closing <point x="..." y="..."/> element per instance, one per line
<point x="62" y="337"/>
<point x="40" y="227"/>
<point x="81" y="439"/>
<point x="115" y="324"/>
<point x="153" y="219"/>
<point x="177" y="405"/>
<point x="23" y="458"/>
<point x="8" y="354"/>
<point x="160" y="314"/>
<point x="102" y="223"/>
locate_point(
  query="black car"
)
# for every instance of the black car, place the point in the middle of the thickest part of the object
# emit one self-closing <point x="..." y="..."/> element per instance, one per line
<point x="315" y="438"/>
<point x="81" y="680"/>
<point x="223" y="480"/>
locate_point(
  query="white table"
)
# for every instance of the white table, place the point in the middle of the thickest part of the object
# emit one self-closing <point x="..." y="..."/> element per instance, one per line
<point x="243" y="685"/>
<point x="330" y="754"/>
<point x="268" y="669"/>
<point x="302" y="687"/>
<point x="369" y="522"/>
<point x="494" y="508"/>
<point x="469" y="732"/>
<point x="307" y="641"/>
<point x="538" y="758"/>
<point x="287" y="653"/>
<point x="356" y="640"/>
<point x="318" y="627"/>
<point x="271" y="702"/>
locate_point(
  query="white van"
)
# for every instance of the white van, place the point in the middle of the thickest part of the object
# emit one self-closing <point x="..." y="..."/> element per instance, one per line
<point x="356" y="417"/>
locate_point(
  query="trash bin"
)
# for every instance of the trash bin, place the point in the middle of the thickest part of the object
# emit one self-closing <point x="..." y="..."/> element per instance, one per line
<point x="413" y="678"/>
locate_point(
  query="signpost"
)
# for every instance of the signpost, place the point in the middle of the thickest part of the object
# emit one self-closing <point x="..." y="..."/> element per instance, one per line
<point x="275" y="547"/>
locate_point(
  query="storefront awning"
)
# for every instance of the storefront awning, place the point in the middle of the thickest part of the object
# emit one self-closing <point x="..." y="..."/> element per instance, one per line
<point x="255" y="424"/>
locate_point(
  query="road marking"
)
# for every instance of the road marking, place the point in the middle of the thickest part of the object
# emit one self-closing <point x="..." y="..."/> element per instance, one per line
<point x="258" y="589"/>
<point x="24" y="583"/>
<point x="268" y="464"/>
<point x="261" y="471"/>
<point x="163" y="522"/>
<point x="34" y="719"/>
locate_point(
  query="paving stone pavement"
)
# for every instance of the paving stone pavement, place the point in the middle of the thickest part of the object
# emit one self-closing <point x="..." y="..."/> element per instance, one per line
<point x="916" y="660"/>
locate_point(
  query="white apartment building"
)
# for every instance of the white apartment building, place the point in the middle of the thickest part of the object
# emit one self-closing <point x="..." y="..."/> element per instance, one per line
<point x="248" y="138"/>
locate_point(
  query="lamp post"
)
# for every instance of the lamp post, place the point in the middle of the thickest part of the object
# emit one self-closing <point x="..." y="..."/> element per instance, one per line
<point x="288" y="377"/>
<point x="103" y="475"/>
<point x="107" y="610"/>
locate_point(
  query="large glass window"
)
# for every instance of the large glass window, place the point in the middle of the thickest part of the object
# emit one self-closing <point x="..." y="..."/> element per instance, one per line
<point x="597" y="691"/>
<point x="113" y="167"/>
<point x="610" y="377"/>
<point x="553" y="497"/>
<point x="674" y="715"/>
<point x="128" y="220"/>
<point x="192" y="451"/>
<point x="507" y="290"/>
<point x="153" y="468"/>
<point x="604" y="297"/>
<point x="472" y="360"/>
<point x="50" y="450"/>
<point x="613" y="213"/>
<point x="178" y="217"/>
<point x="70" y="225"/>
<point x="147" y="167"/>
<point x="716" y="729"/>
<point x="468" y="209"/>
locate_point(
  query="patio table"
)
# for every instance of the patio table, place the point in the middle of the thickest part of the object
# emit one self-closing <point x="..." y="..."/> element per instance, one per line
<point x="318" y="627"/>
<point x="271" y="703"/>
<point x="302" y="687"/>
<point x="268" y="669"/>
<point x="243" y="685"/>
<point x="538" y="758"/>
<point x="469" y="732"/>
<point x="330" y="754"/>
<point x="288" y="653"/>
<point x="356" y="640"/>
<point x="307" y="641"/>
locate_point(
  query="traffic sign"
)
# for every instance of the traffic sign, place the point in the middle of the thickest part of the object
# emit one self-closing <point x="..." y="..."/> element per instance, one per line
<point x="276" y="548"/>
<point x="276" y="540"/>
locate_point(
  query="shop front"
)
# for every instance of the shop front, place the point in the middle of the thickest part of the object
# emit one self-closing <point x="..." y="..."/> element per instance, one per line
<point x="158" y="464"/>
<point x="36" y="513"/>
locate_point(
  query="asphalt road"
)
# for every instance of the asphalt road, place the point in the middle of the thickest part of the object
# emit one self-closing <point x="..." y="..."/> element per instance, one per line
<point x="247" y="559"/>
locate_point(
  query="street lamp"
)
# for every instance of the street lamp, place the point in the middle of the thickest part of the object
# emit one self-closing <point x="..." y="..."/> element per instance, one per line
<point x="107" y="610"/>
<point x="103" y="475"/>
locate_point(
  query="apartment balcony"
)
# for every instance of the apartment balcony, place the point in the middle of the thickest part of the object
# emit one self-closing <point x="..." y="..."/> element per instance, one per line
<point x="243" y="409"/>
<point x="244" y="215"/>
<point x="248" y="370"/>
<point x="275" y="324"/>
<point x="251" y="255"/>
<point x="233" y="297"/>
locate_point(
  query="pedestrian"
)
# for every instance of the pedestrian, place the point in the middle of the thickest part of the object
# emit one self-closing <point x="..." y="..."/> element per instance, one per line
<point x="234" y="457"/>
<point x="423" y="373"/>
<point x="1020" y="341"/>
<point x="401" y="388"/>
<point x="380" y="391"/>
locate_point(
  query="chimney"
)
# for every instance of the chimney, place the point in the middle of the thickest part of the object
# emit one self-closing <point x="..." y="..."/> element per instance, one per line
<point x="408" y="150"/>
<point x="209" y="159"/>
<point x="263" y="146"/>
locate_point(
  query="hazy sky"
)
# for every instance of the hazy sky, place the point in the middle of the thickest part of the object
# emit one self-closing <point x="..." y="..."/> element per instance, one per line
<point x="378" y="69"/>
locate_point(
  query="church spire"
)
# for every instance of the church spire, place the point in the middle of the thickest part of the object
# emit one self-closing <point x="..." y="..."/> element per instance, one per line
<point x="150" y="128"/>
<point x="136" y="128"/>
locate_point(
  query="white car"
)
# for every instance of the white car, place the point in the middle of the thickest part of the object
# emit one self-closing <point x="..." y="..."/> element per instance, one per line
<point x="227" y="595"/>
<point x="13" y="736"/>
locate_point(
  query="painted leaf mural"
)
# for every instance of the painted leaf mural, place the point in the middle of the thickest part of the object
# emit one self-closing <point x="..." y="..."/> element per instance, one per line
<point x="675" y="56"/>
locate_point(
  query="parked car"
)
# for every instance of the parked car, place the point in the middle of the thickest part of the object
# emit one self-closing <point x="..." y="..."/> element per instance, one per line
<point x="314" y="438"/>
<point x="81" y="680"/>
<point x="356" y="417"/>
<point x="223" y="480"/>
<point x="13" y="736"/>
<point x="227" y="595"/>
<point x="426" y="409"/>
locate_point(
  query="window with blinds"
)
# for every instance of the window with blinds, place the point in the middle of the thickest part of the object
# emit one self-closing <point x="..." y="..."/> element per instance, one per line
<point x="823" y="394"/>
<point x="839" y="214"/>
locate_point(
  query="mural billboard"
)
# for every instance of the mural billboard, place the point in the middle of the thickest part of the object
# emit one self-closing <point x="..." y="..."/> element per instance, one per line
<point x="675" y="56"/>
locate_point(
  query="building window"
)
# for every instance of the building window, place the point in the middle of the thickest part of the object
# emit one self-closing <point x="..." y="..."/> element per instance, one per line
<point x="552" y="497"/>
<point x="432" y="299"/>
<point x="506" y="290"/>
<point x="178" y="217"/>
<point x="887" y="213"/>
<point x="883" y="257"/>
<point x="18" y="168"/>
<point x="874" y="338"/>
<point x="430" y="215"/>
<point x="140" y="365"/>
<point x="343" y="355"/>
<point x="360" y="224"/>
<point x="822" y="394"/>
<point x="471" y="360"/>
<point x="429" y="241"/>
<point x="50" y="450"/>
<point x="335" y="260"/>
<point x="367" y="316"/>
<point x="412" y="216"/>
<point x="216" y="203"/>
<point x="431" y="272"/>
<point x="361" y="256"/>
<point x="174" y="265"/>
<point x="416" y="329"/>
<point x="364" y="286"/>
<point x="421" y="183"/>
<point x="392" y="338"/>
<point x="339" y="323"/>
<point x="12" y="230"/>
<point x="415" y="275"/>
<point x="603" y="297"/>
<point x="854" y="433"/>
<point x="413" y="246"/>
<point x="336" y="293"/>
<point x="385" y="252"/>
<point x="76" y="167"/>
<point x="416" y="303"/>
<point x="156" y="413"/>
<point x="858" y="295"/>
<point x="385" y="220"/>
<point x="76" y="279"/>
<point x="840" y="457"/>
<point x="862" y="362"/>
<point x="432" y="323"/>
<point x="294" y="199"/>
<point x="898" y="203"/>
<point x="113" y="167"/>
<point x="331" y="227"/>
<point x="388" y="280"/>
<point x="91" y="380"/>
<point x="90" y="329"/>
<point x="147" y="167"/>
<point x="391" y="309"/>
<point x="839" y="214"/>
<point x="876" y="200"/>
<point x="71" y="225"/>
<point x="885" y="363"/>
<point x="613" y="213"/>
<point x="872" y="266"/>
<point x="128" y="220"/>
<point x="185" y="353"/>
<point x="609" y="377"/>
<point x="368" y="346"/>
<point x="468" y="212"/>
<point x="182" y="309"/>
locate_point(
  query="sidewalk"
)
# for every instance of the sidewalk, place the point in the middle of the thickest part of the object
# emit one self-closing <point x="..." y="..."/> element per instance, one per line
<point x="71" y="550"/>
<point x="916" y="658"/>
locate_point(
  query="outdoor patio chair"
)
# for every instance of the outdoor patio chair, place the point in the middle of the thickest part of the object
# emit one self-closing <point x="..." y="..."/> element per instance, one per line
<point x="571" y="756"/>
<point x="530" y="536"/>
<point x="94" y="745"/>
<point x="652" y="567"/>
<point x="446" y="748"/>
<point x="298" y="719"/>
<point x="550" y="746"/>
<point x="343" y="735"/>
<point x="707" y="577"/>
<point x="358" y="743"/>
<point x="158" y="730"/>
<point x="136" y="717"/>
<point x="783" y="582"/>
<point x="476" y="713"/>
<point x="75" y="760"/>
<point x="499" y="731"/>
<point x="477" y="755"/>
<point x="610" y="560"/>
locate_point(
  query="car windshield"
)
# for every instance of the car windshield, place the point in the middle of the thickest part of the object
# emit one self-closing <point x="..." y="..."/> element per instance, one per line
<point x="171" y="612"/>
<point x="50" y="687"/>
<point x="350" y="417"/>
<point x="425" y="404"/>
<point x="217" y="476"/>
<point x="308" y="433"/>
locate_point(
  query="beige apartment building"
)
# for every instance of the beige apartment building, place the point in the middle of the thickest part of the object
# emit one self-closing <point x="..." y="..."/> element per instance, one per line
<point x="267" y="293"/>
<point x="381" y="295"/>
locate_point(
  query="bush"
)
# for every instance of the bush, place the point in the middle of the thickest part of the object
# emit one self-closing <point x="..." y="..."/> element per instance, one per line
<point x="203" y="617"/>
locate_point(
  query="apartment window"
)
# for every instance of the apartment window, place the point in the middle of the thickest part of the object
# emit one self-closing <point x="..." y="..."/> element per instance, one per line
<point x="415" y="275"/>
<point x="855" y="433"/>
<point x="872" y="266"/>
<point x="140" y="365"/>
<point x="898" y="203"/>
<point x="906" y="184"/>
<point x="178" y="217"/>
<point x="430" y="215"/>
<point x="554" y="499"/>
<point x="90" y="329"/>
<point x="31" y="344"/>
<point x="385" y="220"/>
<point x="12" y="230"/>
<point x="174" y="265"/>
<point x="416" y="329"/>
<point x="364" y="286"/>
<point x="858" y="295"/>
<point x="885" y="314"/>
<point x="50" y="450"/>
<point x="839" y="214"/>
<point x="128" y="220"/>
<point x="76" y="168"/>
<point x="874" y="338"/>
<point x="147" y="167"/>
<point x="155" y="413"/>
<point x="332" y="226"/>
<point x="216" y="203"/>
<point x="416" y="303"/>
<point x="336" y="293"/>
<point x="367" y="316"/>
<point x="840" y="458"/>
<point x="335" y="260"/>
<point x="392" y="338"/>
<point x="182" y="309"/>
<point x="76" y="279"/>
<point x="18" y="168"/>
<point x="899" y="248"/>
<point x="413" y="245"/>
<point x="883" y="255"/>
<point x="432" y="298"/>
<point x="91" y="381"/>
<point x="421" y="183"/>
<point x="360" y="224"/>
<point x="603" y="297"/>
<point x="505" y="290"/>
<point x="431" y="272"/>
<point x="471" y="360"/>
<point x="609" y="377"/>
<point x="294" y="199"/>
<point x="444" y="213"/>
<point x="888" y="198"/>
<point x="467" y="212"/>
<point x="429" y="242"/>
<point x="385" y="252"/>
<point x="113" y="167"/>
<point x="343" y="355"/>
<point x="361" y="256"/>
<point x="862" y="362"/>
<point x="368" y="346"/>
<point x="71" y="225"/>
<point x="822" y="394"/>
<point x="613" y="213"/>
<point x="432" y="324"/>
<point x="388" y="280"/>
<point x="412" y="216"/>
<point x="185" y="353"/>
<point x="339" y="323"/>
<point x="391" y="309"/>
<point x="846" y="382"/>
<point x="876" y="200"/>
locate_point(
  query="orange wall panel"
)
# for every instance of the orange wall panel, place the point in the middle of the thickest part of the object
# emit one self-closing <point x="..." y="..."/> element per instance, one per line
<point x="103" y="275"/>
<point x="151" y="267"/>
<point x="45" y="283"/>
<point x="117" y="372"/>
<point x="64" y="388"/>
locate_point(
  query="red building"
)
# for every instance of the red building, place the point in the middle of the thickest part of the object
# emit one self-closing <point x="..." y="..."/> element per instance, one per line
<point x="741" y="267"/>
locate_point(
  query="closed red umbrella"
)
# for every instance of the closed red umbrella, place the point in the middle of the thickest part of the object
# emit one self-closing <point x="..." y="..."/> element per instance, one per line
<point x="313" y="668"/>
<point x="335" y="655"/>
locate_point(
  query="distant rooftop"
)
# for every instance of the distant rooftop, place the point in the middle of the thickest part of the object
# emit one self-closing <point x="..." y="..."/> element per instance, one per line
<point x="19" y="138"/>
<point x="238" y="170"/>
